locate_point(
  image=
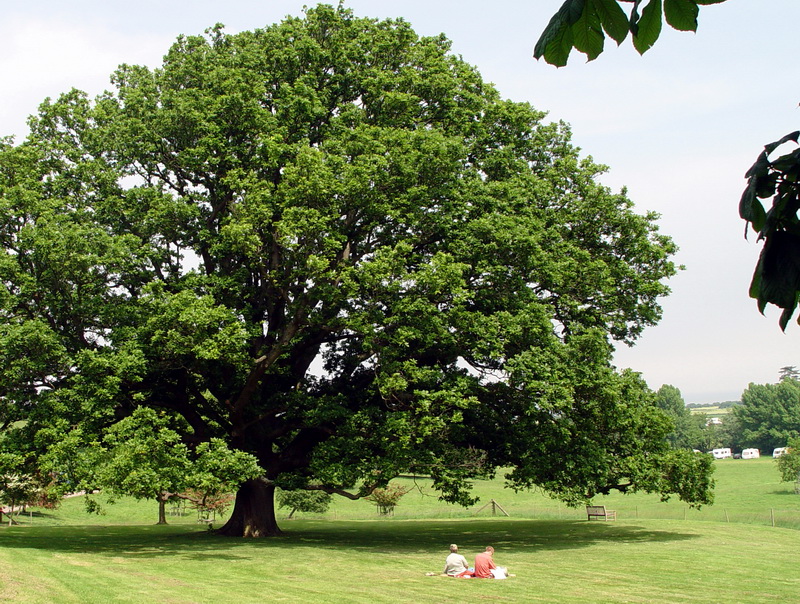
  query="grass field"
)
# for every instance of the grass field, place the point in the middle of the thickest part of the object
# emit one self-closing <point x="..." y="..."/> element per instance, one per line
<point x="352" y="555"/>
<point x="711" y="410"/>
<point x="370" y="561"/>
<point x="748" y="491"/>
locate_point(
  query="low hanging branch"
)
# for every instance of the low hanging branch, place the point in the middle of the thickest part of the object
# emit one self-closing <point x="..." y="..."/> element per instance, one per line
<point x="364" y="491"/>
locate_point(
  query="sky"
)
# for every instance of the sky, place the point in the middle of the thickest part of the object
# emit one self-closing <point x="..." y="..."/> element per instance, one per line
<point x="677" y="127"/>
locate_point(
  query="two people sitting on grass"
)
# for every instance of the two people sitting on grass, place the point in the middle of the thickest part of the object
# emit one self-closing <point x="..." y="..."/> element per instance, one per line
<point x="456" y="565"/>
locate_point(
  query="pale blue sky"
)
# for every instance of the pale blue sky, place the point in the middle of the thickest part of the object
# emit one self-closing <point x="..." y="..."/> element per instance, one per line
<point x="678" y="127"/>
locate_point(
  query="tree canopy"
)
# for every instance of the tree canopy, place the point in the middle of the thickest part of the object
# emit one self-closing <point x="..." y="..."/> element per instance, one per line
<point x="332" y="245"/>
<point x="769" y="416"/>
<point x="687" y="432"/>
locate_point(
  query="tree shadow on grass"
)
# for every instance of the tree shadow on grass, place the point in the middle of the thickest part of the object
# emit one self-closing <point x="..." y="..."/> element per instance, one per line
<point x="784" y="491"/>
<point x="36" y="514"/>
<point x="400" y="537"/>
<point x="516" y="534"/>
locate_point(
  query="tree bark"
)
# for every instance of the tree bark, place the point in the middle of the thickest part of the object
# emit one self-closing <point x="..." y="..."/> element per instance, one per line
<point x="162" y="510"/>
<point x="254" y="511"/>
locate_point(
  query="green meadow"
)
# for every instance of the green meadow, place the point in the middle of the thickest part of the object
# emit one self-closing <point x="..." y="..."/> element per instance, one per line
<point x="654" y="552"/>
<point x="711" y="411"/>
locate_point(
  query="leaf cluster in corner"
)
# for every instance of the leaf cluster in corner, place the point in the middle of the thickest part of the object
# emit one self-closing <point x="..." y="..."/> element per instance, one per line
<point x="583" y="25"/>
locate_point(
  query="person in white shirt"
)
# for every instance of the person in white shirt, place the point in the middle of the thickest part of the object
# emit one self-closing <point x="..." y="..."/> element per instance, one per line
<point x="456" y="564"/>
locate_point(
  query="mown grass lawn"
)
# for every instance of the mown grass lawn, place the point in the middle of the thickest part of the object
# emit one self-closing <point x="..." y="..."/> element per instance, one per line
<point x="353" y="555"/>
<point x="378" y="561"/>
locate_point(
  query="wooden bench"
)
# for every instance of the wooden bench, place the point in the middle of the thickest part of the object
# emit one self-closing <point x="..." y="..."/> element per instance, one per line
<point x="599" y="512"/>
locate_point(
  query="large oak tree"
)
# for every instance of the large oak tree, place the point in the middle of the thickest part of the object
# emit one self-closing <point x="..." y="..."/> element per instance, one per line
<point x="332" y="244"/>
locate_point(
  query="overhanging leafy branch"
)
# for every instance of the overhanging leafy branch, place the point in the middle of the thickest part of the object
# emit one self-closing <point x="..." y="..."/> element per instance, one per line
<point x="777" y="276"/>
<point x="584" y="24"/>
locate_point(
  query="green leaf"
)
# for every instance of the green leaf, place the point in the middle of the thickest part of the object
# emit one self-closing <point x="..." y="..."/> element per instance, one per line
<point x="555" y="29"/>
<point x="648" y="27"/>
<point x="750" y="207"/>
<point x="785" y="316"/>
<point x="555" y="43"/>
<point x="761" y="167"/>
<point x="704" y="2"/>
<point x="681" y="14"/>
<point x="755" y="285"/>
<point x="557" y="50"/>
<point x="588" y="34"/>
<point x="779" y="267"/>
<point x="788" y="162"/>
<point x="613" y="19"/>
<point x="792" y="136"/>
<point x="765" y="185"/>
<point x="573" y="9"/>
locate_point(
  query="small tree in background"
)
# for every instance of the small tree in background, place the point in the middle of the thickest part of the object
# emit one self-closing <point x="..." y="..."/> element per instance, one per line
<point x="215" y="475"/>
<point x="314" y="502"/>
<point x="386" y="499"/>
<point x="144" y="457"/>
<point x="20" y="488"/>
<point x="789" y="464"/>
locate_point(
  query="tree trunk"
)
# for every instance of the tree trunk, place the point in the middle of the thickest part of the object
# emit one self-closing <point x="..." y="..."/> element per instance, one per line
<point x="162" y="510"/>
<point x="254" y="511"/>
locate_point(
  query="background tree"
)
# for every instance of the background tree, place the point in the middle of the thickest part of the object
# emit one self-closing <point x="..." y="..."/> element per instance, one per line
<point x="14" y="489"/>
<point x="790" y="372"/>
<point x="387" y="498"/>
<point x="313" y="502"/>
<point x="686" y="433"/>
<point x="583" y="24"/>
<point x="711" y="436"/>
<point x="20" y="489"/>
<point x="770" y="414"/>
<point x="332" y="245"/>
<point x="144" y="457"/>
<point x="731" y="433"/>
<point x="789" y="464"/>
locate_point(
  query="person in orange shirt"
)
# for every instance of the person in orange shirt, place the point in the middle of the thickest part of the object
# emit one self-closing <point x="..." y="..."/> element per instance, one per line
<point x="484" y="563"/>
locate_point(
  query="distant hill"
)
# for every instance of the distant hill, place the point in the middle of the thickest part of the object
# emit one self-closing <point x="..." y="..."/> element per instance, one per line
<point x="725" y="405"/>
